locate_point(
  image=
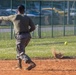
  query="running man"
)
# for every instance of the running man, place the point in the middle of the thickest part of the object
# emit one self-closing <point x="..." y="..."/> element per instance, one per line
<point x="23" y="25"/>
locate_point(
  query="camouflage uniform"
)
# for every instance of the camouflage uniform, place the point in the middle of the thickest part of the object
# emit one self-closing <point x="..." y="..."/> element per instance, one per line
<point x="23" y="25"/>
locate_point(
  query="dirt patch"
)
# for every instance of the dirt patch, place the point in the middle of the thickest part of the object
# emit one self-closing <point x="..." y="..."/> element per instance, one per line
<point x="44" y="67"/>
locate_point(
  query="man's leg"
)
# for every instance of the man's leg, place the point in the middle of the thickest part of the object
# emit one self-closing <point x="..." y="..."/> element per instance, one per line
<point x="19" y="64"/>
<point x="19" y="52"/>
<point x="26" y="58"/>
<point x="31" y="65"/>
<point x="21" y="44"/>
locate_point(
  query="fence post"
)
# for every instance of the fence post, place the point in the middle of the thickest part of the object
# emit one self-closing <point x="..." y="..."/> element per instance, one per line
<point x="11" y="6"/>
<point x="75" y="25"/>
<point x="39" y="31"/>
<point x="68" y="15"/>
<point x="64" y="20"/>
<point x="25" y="5"/>
<point x="52" y="18"/>
<point x="11" y="31"/>
<point x="36" y="32"/>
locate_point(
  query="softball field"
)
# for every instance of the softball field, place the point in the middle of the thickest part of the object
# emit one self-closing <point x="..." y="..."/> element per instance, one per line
<point x="44" y="67"/>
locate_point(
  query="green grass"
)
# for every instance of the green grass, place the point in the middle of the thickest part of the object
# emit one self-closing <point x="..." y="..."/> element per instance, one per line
<point x="40" y="48"/>
<point x="7" y="35"/>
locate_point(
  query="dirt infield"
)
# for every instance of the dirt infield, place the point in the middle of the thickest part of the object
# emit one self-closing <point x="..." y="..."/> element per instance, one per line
<point x="44" y="67"/>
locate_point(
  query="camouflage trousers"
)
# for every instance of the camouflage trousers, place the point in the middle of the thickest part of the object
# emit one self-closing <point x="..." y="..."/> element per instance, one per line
<point x="22" y="41"/>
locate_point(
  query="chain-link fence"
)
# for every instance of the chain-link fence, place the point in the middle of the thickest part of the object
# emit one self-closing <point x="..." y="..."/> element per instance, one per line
<point x="52" y="18"/>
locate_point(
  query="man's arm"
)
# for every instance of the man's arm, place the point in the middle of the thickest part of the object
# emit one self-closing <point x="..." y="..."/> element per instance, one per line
<point x="32" y="26"/>
<point x="6" y="18"/>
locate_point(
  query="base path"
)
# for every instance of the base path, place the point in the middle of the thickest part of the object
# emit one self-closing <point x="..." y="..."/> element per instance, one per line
<point x="44" y="67"/>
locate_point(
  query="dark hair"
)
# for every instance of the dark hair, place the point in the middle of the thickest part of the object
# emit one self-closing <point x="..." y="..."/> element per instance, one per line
<point x="21" y="8"/>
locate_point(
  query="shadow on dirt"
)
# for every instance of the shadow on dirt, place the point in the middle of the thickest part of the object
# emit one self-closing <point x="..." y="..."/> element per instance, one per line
<point x="68" y="57"/>
<point x="64" y="57"/>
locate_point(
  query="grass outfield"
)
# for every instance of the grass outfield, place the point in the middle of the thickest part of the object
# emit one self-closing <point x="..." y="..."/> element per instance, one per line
<point x="40" y="47"/>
